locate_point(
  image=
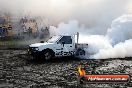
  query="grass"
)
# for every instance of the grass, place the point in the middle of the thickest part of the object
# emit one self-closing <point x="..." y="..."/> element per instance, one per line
<point x="12" y="44"/>
<point x="8" y="43"/>
<point x="17" y="43"/>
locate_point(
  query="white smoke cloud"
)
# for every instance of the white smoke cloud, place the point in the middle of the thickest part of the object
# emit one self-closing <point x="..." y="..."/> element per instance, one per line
<point x="95" y="14"/>
<point x="120" y="38"/>
<point x="72" y="27"/>
<point x="121" y="29"/>
<point x="116" y="43"/>
<point x="120" y="50"/>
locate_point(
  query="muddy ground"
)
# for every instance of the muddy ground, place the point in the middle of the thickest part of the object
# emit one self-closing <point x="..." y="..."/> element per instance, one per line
<point x="17" y="70"/>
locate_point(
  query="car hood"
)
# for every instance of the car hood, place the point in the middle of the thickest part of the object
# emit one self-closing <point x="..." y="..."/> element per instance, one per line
<point x="39" y="44"/>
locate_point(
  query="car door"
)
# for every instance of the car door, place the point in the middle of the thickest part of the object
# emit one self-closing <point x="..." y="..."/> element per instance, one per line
<point x="65" y="46"/>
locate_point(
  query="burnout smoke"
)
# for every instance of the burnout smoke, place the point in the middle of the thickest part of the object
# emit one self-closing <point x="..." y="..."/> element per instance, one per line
<point x="120" y="38"/>
<point x="117" y="43"/>
<point x="95" y="14"/>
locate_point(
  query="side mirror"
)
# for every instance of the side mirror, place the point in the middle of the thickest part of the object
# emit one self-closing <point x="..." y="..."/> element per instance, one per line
<point x="63" y="43"/>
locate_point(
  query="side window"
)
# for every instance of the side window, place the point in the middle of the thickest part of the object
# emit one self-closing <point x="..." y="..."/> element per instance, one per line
<point x="66" y="39"/>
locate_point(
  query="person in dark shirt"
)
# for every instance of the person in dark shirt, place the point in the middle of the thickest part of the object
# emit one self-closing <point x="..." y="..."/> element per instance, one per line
<point x="1" y="31"/>
<point x="30" y="31"/>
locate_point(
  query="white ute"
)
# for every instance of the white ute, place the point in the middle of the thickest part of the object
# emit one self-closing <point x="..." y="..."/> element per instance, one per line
<point x="57" y="46"/>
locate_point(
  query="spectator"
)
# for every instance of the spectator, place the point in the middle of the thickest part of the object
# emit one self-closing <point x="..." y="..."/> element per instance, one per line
<point x="1" y="31"/>
<point x="30" y="31"/>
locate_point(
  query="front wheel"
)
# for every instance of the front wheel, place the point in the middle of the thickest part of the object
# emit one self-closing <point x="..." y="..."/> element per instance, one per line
<point x="47" y="55"/>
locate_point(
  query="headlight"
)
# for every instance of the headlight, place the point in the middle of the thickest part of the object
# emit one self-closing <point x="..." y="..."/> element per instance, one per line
<point x="32" y="49"/>
<point x="36" y="48"/>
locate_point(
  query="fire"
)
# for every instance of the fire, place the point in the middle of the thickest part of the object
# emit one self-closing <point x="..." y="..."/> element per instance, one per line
<point x="81" y="71"/>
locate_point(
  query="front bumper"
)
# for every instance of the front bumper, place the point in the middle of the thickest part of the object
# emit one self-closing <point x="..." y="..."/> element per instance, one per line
<point x="33" y="52"/>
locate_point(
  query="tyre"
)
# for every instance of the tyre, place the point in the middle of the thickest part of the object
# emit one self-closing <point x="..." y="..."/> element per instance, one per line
<point x="80" y="52"/>
<point x="48" y="55"/>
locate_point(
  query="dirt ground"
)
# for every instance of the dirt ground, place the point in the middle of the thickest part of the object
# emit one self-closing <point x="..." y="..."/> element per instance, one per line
<point x="17" y="70"/>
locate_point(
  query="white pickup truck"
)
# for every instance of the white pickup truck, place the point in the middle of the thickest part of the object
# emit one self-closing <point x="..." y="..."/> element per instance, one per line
<point x="57" y="46"/>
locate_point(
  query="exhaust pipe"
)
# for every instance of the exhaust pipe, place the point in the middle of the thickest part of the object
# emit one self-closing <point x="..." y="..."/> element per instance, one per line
<point x="77" y="37"/>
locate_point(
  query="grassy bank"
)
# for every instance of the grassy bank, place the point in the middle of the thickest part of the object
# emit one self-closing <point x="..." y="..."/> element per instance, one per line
<point x="18" y="44"/>
<point x="12" y="44"/>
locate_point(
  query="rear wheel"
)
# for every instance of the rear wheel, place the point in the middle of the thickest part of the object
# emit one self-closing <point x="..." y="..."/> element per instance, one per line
<point x="80" y="52"/>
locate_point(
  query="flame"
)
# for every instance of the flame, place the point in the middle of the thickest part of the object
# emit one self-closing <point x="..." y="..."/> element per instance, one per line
<point x="81" y="71"/>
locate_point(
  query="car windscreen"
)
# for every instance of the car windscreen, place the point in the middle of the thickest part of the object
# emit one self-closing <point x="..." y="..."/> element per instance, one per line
<point x="53" y="39"/>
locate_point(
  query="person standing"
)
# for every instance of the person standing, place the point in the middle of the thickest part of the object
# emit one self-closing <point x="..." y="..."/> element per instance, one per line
<point x="30" y="31"/>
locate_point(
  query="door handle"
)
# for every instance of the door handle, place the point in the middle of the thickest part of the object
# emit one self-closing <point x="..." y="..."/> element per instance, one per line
<point x="70" y="46"/>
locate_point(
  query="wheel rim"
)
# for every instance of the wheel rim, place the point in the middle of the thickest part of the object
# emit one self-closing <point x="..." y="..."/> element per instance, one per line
<point x="47" y="55"/>
<point x="81" y="52"/>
